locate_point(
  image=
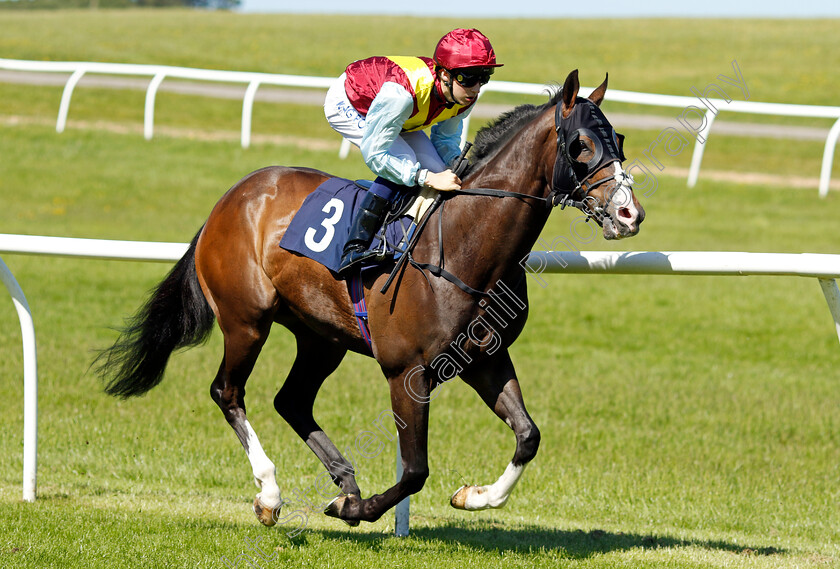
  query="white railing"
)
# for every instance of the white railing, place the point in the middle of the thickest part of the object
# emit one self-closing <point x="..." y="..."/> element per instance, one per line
<point x="254" y="80"/>
<point x="681" y="102"/>
<point x="30" y="384"/>
<point x="158" y="73"/>
<point x="825" y="268"/>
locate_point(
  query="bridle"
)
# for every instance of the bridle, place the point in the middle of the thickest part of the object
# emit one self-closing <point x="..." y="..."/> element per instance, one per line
<point x="568" y="187"/>
<point x="570" y="180"/>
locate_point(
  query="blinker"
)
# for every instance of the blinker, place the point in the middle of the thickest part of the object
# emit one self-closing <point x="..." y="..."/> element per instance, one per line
<point x="586" y="119"/>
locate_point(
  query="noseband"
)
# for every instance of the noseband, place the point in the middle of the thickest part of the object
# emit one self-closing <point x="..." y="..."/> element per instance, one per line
<point x="569" y="180"/>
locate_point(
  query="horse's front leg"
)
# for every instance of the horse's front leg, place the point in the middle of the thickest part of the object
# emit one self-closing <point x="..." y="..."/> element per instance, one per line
<point x="410" y="404"/>
<point x="494" y="379"/>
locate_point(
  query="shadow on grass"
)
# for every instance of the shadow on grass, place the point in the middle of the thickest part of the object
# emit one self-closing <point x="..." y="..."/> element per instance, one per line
<point x="491" y="537"/>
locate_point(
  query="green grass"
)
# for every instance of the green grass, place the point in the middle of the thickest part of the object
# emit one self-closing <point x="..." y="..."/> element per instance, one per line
<point x="776" y="57"/>
<point x="789" y="61"/>
<point x="702" y="433"/>
<point x="686" y="421"/>
<point x="203" y="117"/>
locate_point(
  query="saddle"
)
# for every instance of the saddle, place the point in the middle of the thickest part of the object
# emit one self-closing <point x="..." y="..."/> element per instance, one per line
<point x="322" y="224"/>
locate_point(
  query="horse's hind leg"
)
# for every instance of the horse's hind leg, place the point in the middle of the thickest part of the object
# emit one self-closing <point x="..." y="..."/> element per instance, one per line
<point x="495" y="381"/>
<point x="316" y="359"/>
<point x="242" y="346"/>
<point x="410" y="405"/>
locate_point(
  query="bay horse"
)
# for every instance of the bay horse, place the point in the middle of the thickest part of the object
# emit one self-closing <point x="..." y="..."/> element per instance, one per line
<point x="235" y="273"/>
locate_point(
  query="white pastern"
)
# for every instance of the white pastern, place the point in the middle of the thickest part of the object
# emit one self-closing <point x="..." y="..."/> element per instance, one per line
<point x="493" y="496"/>
<point x="264" y="471"/>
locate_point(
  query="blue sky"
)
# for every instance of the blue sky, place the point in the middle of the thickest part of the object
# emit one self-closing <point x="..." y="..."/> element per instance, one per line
<point x="556" y="8"/>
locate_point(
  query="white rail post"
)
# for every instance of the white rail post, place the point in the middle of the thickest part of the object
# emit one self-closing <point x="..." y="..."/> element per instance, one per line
<point x="465" y="130"/>
<point x="64" y="107"/>
<point x="149" y="115"/>
<point x="828" y="158"/>
<point x="247" y="112"/>
<point x="30" y="384"/>
<point x="344" y="151"/>
<point x="832" y="296"/>
<point x="401" y="512"/>
<point x="465" y="124"/>
<point x="699" y="147"/>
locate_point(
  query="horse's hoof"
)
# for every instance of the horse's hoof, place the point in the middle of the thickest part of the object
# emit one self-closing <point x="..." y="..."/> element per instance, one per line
<point x="459" y="498"/>
<point x="334" y="508"/>
<point x="265" y="514"/>
<point x="462" y="494"/>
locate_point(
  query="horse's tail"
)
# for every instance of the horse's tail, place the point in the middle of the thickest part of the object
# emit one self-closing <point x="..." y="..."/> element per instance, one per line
<point x="176" y="315"/>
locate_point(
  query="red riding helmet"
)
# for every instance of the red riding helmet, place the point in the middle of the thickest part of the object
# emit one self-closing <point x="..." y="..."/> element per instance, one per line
<point x="462" y="48"/>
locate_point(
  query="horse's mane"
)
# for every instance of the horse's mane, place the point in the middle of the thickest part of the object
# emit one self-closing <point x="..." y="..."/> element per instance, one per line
<point x="493" y="137"/>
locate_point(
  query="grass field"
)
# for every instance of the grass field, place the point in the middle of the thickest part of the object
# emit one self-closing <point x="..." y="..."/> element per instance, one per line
<point x="705" y="434"/>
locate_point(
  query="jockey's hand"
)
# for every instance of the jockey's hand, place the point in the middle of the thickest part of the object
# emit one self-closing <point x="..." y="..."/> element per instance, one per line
<point x="445" y="181"/>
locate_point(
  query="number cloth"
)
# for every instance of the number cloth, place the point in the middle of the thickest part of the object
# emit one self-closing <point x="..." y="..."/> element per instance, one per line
<point x="321" y="226"/>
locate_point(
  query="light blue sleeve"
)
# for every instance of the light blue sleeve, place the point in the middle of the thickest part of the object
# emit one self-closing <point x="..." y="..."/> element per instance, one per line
<point x="388" y="112"/>
<point x="446" y="136"/>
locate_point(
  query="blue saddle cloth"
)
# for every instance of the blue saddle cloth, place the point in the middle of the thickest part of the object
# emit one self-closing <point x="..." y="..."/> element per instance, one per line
<point x="321" y="227"/>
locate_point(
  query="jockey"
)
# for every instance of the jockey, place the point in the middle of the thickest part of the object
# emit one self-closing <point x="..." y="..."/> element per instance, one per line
<point x="382" y="104"/>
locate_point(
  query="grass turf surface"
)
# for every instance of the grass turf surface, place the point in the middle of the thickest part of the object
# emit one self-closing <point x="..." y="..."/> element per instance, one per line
<point x="697" y="428"/>
<point x="687" y="421"/>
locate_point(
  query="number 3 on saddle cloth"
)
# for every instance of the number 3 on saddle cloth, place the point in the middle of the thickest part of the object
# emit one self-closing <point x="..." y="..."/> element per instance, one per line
<point x="321" y="226"/>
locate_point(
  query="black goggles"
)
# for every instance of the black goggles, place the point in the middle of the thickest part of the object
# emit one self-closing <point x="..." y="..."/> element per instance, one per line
<point x="470" y="78"/>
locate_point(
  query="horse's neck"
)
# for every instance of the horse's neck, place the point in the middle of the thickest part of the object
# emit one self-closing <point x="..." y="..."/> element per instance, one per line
<point x="491" y="235"/>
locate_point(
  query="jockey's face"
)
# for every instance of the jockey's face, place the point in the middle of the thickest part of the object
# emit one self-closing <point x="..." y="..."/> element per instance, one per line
<point x="456" y="92"/>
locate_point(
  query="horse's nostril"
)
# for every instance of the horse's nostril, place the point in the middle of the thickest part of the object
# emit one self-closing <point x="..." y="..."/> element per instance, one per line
<point x="624" y="212"/>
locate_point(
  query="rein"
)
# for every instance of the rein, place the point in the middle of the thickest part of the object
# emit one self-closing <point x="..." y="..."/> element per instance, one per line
<point x="563" y="177"/>
<point x="553" y="199"/>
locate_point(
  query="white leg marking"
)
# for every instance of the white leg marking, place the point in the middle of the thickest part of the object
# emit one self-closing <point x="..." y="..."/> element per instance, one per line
<point x="493" y="496"/>
<point x="264" y="471"/>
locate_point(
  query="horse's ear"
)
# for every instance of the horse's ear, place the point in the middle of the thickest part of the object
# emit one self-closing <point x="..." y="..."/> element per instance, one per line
<point x="570" y="92"/>
<point x="598" y="94"/>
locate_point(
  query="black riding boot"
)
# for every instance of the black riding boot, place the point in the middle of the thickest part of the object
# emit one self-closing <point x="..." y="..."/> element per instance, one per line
<point x="370" y="216"/>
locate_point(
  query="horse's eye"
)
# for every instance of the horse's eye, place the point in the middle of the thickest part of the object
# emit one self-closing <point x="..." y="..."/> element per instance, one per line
<point x="579" y="148"/>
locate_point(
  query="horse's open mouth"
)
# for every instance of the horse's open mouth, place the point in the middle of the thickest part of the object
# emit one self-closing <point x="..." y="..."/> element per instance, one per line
<point x="620" y="225"/>
<point x="610" y="230"/>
